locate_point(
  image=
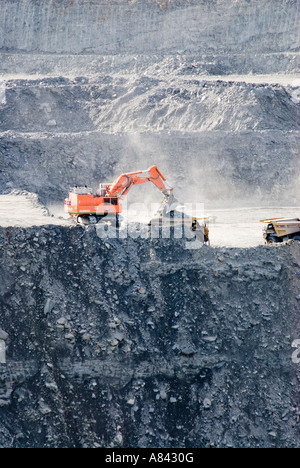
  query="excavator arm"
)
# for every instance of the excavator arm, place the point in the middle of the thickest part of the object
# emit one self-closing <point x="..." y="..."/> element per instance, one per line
<point x="121" y="186"/>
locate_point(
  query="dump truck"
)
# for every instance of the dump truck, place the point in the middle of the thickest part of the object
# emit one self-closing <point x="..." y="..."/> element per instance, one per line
<point x="182" y="222"/>
<point x="278" y="230"/>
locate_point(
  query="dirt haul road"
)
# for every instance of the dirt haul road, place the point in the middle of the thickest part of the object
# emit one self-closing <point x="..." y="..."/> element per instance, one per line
<point x="24" y="211"/>
<point x="229" y="227"/>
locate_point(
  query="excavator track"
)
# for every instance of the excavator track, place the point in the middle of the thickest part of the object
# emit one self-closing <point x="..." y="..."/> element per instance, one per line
<point x="87" y="220"/>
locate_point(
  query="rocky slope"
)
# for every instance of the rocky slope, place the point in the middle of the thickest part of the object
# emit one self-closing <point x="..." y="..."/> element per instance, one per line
<point x="238" y="140"/>
<point x="142" y="343"/>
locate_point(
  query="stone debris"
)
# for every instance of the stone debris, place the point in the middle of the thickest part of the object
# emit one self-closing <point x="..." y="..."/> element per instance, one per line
<point x="220" y="335"/>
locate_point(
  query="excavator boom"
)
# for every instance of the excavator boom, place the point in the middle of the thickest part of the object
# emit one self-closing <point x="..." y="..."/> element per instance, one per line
<point x="123" y="184"/>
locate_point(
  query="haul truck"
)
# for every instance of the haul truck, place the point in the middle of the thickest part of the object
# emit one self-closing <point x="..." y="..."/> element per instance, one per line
<point x="281" y="229"/>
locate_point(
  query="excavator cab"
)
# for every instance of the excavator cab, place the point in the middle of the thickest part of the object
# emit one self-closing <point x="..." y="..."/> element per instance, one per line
<point x="102" y="190"/>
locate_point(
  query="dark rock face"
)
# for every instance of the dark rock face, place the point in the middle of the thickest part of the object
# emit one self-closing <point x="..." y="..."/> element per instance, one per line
<point x="141" y="343"/>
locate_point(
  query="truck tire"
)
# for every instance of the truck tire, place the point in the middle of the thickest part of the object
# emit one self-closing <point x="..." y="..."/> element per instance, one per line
<point x="272" y="239"/>
<point x="296" y="238"/>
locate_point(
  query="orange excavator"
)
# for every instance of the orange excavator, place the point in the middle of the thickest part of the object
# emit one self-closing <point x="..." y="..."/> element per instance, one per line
<point x="88" y="207"/>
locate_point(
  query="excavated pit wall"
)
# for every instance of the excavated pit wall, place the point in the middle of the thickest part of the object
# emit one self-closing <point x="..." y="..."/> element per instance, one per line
<point x="143" y="343"/>
<point x="150" y="27"/>
<point x="239" y="141"/>
<point x="93" y="88"/>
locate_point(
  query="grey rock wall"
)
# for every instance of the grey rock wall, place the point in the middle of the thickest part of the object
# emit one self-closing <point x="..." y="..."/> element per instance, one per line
<point x="216" y="142"/>
<point x="140" y="343"/>
<point x="147" y="27"/>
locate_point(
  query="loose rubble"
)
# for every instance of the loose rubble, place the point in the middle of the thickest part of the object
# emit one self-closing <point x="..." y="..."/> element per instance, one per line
<point x="168" y="349"/>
